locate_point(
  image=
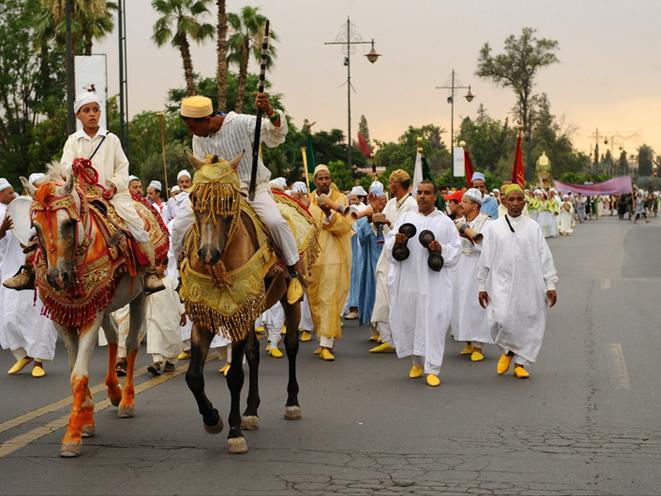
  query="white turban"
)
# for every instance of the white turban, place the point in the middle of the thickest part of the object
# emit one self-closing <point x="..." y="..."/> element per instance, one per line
<point x="183" y="173"/>
<point x="156" y="185"/>
<point x="299" y="187"/>
<point x="4" y="184"/>
<point x="377" y="189"/>
<point x="36" y="178"/>
<point x="474" y="194"/>
<point x="84" y="98"/>
<point x="358" y="191"/>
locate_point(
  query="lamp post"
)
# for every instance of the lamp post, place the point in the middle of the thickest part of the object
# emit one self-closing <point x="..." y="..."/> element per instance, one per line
<point x="71" y="85"/>
<point x="123" y="83"/>
<point x="348" y="39"/>
<point x="455" y="85"/>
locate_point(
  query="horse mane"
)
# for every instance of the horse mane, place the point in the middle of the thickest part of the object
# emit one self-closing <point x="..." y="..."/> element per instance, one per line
<point x="57" y="172"/>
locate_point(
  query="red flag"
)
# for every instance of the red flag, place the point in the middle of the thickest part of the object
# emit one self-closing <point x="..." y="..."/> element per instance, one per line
<point x="468" y="168"/>
<point x="364" y="146"/>
<point x="517" y="170"/>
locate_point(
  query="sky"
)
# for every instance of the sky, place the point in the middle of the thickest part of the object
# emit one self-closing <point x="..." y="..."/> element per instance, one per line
<point x="608" y="76"/>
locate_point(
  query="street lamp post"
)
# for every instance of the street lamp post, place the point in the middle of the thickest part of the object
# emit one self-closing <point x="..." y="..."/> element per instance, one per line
<point x="348" y="39"/>
<point x="455" y="85"/>
<point x="123" y="83"/>
<point x="71" y="86"/>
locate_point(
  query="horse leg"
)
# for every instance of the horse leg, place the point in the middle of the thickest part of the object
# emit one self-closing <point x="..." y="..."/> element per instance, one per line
<point x="250" y="420"/>
<point x="82" y="408"/>
<point x="112" y="383"/>
<point x="292" y="319"/>
<point x="200" y="342"/>
<point x="136" y="321"/>
<point x="236" y="443"/>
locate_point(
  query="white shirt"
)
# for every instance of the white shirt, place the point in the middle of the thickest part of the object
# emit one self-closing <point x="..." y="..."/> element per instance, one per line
<point x="109" y="161"/>
<point x="235" y="136"/>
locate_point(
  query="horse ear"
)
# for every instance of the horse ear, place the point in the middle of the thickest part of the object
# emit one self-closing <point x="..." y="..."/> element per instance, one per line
<point x="31" y="190"/>
<point x="193" y="161"/>
<point x="236" y="160"/>
<point x="67" y="187"/>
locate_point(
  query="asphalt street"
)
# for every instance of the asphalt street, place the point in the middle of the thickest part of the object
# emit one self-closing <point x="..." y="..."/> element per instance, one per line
<point x="586" y="423"/>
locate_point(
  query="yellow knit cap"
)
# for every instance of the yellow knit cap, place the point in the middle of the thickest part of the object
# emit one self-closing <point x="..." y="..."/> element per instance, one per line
<point x="196" y="106"/>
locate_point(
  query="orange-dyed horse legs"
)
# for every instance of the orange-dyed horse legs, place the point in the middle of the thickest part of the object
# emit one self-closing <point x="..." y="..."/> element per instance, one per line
<point x="81" y="414"/>
<point x="112" y="383"/>
<point x="127" y="405"/>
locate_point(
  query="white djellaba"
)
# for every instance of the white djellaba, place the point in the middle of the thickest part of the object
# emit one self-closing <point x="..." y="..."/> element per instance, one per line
<point x="516" y="269"/>
<point x="421" y="298"/>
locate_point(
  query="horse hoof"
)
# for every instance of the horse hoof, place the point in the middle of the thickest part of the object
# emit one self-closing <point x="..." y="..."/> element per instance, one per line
<point x="237" y="445"/>
<point x="88" y="431"/>
<point x="70" y="450"/>
<point x="126" y="412"/>
<point x="249" y="422"/>
<point x="115" y="401"/>
<point x="214" y="429"/>
<point x="293" y="412"/>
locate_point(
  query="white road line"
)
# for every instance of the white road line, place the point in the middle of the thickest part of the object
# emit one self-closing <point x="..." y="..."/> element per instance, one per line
<point x="621" y="373"/>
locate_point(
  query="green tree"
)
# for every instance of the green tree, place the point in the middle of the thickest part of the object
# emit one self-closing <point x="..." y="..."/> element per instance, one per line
<point x="488" y="140"/>
<point x="180" y="21"/>
<point x="364" y="129"/>
<point x="622" y="164"/>
<point x="340" y="175"/>
<point x="31" y="90"/>
<point x="246" y="39"/>
<point x="516" y="68"/>
<point x="645" y="160"/>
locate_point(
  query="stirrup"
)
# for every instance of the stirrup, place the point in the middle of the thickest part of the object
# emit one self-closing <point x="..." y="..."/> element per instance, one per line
<point x="155" y="288"/>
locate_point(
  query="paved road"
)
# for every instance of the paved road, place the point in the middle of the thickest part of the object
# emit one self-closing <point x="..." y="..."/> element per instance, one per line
<point x="587" y="423"/>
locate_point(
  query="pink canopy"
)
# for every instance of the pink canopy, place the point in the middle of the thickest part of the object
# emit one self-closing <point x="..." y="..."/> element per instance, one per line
<point x="617" y="186"/>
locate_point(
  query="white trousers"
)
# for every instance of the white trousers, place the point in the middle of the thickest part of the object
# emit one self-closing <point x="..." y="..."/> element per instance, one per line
<point x="419" y="361"/>
<point x="267" y="210"/>
<point x="125" y="208"/>
<point x="20" y="353"/>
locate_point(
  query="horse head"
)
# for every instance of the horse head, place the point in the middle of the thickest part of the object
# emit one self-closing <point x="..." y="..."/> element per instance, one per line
<point x="216" y="199"/>
<point x="56" y="214"/>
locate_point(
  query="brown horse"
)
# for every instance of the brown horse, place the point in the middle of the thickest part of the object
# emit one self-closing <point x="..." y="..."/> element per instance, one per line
<point x="228" y="280"/>
<point x="84" y="272"/>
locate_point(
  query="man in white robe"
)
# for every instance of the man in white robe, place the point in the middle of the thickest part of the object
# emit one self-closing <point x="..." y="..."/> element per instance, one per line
<point x="30" y="336"/>
<point x="517" y="280"/>
<point x="401" y="202"/>
<point x="469" y="319"/>
<point x="163" y="318"/>
<point x="421" y="298"/>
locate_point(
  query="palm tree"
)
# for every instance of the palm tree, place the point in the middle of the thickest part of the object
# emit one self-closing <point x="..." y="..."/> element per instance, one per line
<point x="221" y="50"/>
<point x="91" y="20"/>
<point x="179" y="21"/>
<point x="247" y="35"/>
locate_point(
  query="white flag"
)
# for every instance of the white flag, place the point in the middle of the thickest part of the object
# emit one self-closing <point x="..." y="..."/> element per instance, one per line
<point x="417" y="171"/>
<point x="458" y="161"/>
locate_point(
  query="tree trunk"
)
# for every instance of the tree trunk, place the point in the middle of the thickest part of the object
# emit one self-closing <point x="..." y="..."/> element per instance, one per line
<point x="184" y="48"/>
<point x="221" y="49"/>
<point x="88" y="43"/>
<point x="243" y="76"/>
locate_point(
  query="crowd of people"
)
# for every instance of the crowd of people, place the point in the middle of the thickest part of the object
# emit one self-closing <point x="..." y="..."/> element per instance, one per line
<point x="411" y="262"/>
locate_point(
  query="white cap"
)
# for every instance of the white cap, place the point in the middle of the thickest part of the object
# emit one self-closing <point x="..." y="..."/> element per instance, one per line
<point x="133" y="178"/>
<point x="156" y="185"/>
<point x="474" y="194"/>
<point x="183" y="173"/>
<point x="377" y="189"/>
<point x="84" y="98"/>
<point x="175" y="189"/>
<point x="4" y="184"/>
<point x="358" y="191"/>
<point x="299" y="187"/>
<point x="35" y="178"/>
